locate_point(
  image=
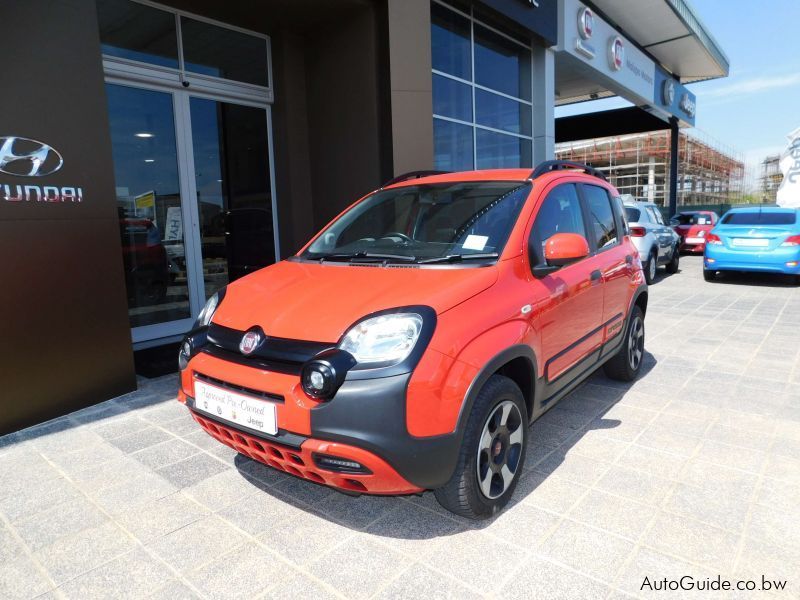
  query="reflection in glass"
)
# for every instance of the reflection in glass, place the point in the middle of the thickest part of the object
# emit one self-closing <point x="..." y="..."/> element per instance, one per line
<point x="452" y="146"/>
<point x="149" y="204"/>
<point x="501" y="151"/>
<point x="231" y="160"/>
<point x="219" y="52"/>
<point x="503" y="113"/>
<point x="450" y="43"/>
<point x="451" y="98"/>
<point x="502" y="65"/>
<point x="137" y="32"/>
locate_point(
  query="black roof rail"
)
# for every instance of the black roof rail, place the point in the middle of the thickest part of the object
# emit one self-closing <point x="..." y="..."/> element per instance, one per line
<point x="412" y="175"/>
<point x="559" y="165"/>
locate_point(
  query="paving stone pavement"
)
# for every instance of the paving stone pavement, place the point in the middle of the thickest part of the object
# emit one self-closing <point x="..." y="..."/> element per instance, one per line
<point x="693" y="470"/>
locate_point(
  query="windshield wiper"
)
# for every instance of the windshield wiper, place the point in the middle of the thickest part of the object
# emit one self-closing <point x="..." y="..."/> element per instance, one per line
<point x="451" y="258"/>
<point x="352" y="256"/>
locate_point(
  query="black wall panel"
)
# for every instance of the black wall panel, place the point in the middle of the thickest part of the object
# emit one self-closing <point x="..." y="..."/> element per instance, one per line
<point x="64" y="335"/>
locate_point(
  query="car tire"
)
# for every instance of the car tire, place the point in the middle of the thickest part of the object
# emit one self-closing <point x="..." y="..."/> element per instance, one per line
<point x="709" y="275"/>
<point x="492" y="452"/>
<point x="650" y="268"/>
<point x="626" y="364"/>
<point x="674" y="262"/>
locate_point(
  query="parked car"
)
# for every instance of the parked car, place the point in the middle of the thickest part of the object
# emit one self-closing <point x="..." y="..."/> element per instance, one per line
<point x="409" y="345"/>
<point x="692" y="228"/>
<point x="765" y="239"/>
<point x="656" y="242"/>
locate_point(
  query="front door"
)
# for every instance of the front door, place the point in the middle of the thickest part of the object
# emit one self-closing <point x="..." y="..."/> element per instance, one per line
<point x="194" y="197"/>
<point x="569" y="319"/>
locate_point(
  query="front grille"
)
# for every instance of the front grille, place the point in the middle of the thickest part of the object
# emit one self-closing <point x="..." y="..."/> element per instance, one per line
<point x="273" y="354"/>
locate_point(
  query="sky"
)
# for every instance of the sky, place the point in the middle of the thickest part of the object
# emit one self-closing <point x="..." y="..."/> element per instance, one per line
<point x="758" y="104"/>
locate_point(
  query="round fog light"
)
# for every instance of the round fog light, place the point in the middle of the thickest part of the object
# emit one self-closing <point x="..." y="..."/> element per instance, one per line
<point x="318" y="380"/>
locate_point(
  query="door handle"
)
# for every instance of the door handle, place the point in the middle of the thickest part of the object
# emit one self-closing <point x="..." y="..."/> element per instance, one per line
<point x="595" y="276"/>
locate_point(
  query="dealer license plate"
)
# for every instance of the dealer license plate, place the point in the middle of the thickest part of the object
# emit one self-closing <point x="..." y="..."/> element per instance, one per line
<point x="694" y="240"/>
<point x="751" y="242"/>
<point x="226" y="405"/>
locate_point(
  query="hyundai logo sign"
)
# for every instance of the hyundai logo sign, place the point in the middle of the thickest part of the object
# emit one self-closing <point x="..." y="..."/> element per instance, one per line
<point x="25" y="157"/>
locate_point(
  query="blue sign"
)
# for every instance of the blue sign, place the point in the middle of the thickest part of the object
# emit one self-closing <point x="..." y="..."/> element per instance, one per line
<point x="673" y="97"/>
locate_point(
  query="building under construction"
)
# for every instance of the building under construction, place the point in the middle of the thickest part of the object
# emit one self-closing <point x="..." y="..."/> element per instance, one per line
<point x="771" y="177"/>
<point x="638" y="165"/>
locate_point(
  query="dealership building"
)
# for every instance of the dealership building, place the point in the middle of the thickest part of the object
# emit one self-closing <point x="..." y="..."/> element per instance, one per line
<point x="150" y="153"/>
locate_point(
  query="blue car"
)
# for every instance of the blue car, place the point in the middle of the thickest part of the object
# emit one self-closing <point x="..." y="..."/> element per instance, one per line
<point x="763" y="239"/>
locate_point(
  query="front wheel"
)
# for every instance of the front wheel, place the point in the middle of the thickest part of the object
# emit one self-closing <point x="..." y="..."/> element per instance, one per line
<point x="627" y="362"/>
<point x="492" y="452"/>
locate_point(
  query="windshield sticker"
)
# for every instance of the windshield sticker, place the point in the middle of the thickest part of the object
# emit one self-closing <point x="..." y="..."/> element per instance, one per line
<point x="475" y="242"/>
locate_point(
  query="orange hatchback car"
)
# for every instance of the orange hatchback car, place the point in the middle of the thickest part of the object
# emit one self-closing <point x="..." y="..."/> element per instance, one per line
<point x="410" y="344"/>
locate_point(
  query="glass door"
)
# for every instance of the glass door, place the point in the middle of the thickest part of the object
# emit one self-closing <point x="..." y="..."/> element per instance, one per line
<point x="150" y="208"/>
<point x="232" y="185"/>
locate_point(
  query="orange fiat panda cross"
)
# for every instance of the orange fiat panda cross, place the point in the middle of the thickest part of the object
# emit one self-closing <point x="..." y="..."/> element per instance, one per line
<point x="410" y="344"/>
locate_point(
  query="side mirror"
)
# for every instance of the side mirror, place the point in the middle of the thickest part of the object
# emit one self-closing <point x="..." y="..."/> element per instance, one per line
<point x="559" y="250"/>
<point x="565" y="248"/>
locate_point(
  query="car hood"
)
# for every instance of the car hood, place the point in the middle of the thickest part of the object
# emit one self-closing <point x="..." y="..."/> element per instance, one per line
<point x="309" y="301"/>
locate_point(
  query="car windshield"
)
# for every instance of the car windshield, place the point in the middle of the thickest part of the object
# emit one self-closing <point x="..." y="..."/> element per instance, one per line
<point x="692" y="219"/>
<point x="632" y="214"/>
<point x="759" y="217"/>
<point x="445" y="222"/>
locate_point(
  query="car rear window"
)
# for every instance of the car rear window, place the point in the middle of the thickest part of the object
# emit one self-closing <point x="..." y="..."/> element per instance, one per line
<point x="632" y="214"/>
<point x="760" y="218"/>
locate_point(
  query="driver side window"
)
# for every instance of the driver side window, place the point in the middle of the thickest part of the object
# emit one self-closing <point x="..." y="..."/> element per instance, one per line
<point x="560" y="212"/>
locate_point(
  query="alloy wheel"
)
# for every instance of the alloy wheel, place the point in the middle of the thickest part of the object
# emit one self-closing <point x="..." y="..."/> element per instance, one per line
<point x="651" y="267"/>
<point x="500" y="449"/>
<point x="636" y="343"/>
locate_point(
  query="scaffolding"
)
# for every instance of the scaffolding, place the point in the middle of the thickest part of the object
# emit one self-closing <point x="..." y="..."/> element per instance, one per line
<point x="771" y="178"/>
<point x="638" y="164"/>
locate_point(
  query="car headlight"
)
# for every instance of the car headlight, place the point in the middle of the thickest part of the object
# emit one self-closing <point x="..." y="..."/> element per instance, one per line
<point x="384" y="340"/>
<point x="204" y="318"/>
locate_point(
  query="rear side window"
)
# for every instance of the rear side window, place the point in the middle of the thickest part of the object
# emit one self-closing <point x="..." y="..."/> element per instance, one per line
<point x="633" y="215"/>
<point x="559" y="213"/>
<point x="655" y="216"/>
<point x="760" y="218"/>
<point x="602" y="225"/>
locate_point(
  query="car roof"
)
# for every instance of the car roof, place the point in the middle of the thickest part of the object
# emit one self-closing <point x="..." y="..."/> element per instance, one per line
<point x="757" y="208"/>
<point x="520" y="175"/>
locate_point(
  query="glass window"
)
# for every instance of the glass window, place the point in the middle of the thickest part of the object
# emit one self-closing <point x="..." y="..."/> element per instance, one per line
<point x="451" y="98"/>
<point x="559" y="213"/>
<point x="655" y="215"/>
<point x="633" y="215"/>
<point x="500" y="112"/>
<point x="501" y="64"/>
<point x="425" y="222"/>
<point x="602" y="224"/>
<point x="137" y="32"/>
<point x="220" y="52"/>
<point x="452" y="146"/>
<point x="760" y="218"/>
<point x="149" y="204"/>
<point x="501" y="151"/>
<point x="450" y="42"/>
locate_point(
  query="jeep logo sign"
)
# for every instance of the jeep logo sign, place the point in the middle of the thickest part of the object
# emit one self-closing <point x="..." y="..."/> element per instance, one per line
<point x="26" y="157"/>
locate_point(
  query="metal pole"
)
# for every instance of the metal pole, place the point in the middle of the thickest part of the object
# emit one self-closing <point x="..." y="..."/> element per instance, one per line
<point x="673" y="166"/>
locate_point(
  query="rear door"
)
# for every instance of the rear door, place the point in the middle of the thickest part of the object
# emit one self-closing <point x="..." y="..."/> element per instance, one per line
<point x="569" y="302"/>
<point x="611" y="257"/>
<point x="662" y="232"/>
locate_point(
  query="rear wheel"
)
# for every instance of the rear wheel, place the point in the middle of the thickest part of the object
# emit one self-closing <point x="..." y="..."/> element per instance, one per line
<point x="650" y="267"/>
<point x="492" y="452"/>
<point x="627" y="362"/>
<point x="674" y="263"/>
<point x="709" y="275"/>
